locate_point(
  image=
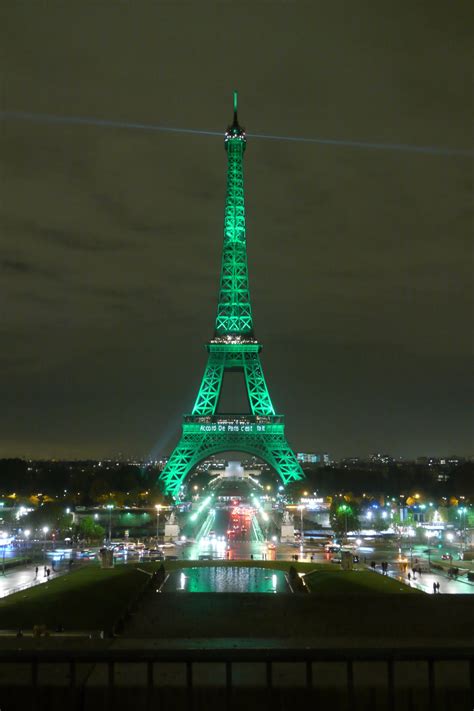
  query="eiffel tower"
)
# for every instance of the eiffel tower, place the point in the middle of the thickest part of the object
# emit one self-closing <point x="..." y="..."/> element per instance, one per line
<point x="233" y="348"/>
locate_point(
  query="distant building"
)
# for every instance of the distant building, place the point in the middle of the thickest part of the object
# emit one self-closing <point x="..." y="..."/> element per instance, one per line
<point x="381" y="458"/>
<point x="452" y="461"/>
<point x="351" y="462"/>
<point x="235" y="470"/>
<point x="313" y="458"/>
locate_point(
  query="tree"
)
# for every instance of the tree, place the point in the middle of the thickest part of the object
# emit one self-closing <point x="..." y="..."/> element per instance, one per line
<point x="52" y="515"/>
<point x="381" y="524"/>
<point x="344" y="517"/>
<point x="88" y="528"/>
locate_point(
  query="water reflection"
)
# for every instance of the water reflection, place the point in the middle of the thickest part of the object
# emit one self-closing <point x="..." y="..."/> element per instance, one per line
<point x="227" y="579"/>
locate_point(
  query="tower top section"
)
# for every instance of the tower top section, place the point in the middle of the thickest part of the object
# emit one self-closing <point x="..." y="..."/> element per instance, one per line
<point x="234" y="311"/>
<point x="235" y="130"/>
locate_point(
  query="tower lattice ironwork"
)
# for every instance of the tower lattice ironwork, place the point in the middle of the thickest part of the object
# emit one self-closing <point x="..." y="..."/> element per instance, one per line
<point x="261" y="432"/>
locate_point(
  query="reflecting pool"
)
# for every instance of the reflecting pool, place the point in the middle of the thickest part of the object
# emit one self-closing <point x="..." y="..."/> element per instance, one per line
<point x="227" y="579"/>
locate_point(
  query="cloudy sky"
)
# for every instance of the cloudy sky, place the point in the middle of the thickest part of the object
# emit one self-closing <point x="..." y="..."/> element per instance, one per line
<point x="110" y="238"/>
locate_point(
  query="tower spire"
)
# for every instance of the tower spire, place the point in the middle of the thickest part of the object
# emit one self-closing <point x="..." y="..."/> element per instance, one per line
<point x="234" y="311"/>
<point x="235" y="130"/>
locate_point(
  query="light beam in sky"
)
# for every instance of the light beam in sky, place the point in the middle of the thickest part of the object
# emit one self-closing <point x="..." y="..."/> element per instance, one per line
<point x="106" y="123"/>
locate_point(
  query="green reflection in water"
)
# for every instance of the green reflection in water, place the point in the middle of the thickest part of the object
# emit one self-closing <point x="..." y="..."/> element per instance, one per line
<point x="227" y="579"/>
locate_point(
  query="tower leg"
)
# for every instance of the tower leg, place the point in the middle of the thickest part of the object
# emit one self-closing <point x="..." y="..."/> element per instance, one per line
<point x="282" y="458"/>
<point x="210" y="390"/>
<point x="182" y="460"/>
<point x="259" y="397"/>
<point x="192" y="448"/>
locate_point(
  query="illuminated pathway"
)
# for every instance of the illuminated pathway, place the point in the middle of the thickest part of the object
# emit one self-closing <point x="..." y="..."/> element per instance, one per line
<point x="425" y="582"/>
<point x="206" y="526"/>
<point x="24" y="577"/>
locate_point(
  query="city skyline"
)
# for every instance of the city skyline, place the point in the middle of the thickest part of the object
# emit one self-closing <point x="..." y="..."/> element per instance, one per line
<point x="358" y="258"/>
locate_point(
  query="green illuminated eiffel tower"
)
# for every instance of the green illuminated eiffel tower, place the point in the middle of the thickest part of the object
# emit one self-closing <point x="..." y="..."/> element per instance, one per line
<point x="234" y="347"/>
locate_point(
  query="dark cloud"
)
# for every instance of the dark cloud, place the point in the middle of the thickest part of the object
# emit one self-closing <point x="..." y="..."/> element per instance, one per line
<point x="23" y="269"/>
<point x="16" y="266"/>
<point x="110" y="237"/>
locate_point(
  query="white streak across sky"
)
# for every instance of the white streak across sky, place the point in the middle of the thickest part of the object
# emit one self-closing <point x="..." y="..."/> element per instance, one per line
<point x="105" y="123"/>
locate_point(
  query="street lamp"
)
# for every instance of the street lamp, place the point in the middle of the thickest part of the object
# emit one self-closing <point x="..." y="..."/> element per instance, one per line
<point x="301" y="508"/>
<point x="462" y="524"/>
<point x="344" y="509"/>
<point x="110" y="507"/>
<point x="45" y="531"/>
<point x="158" y="509"/>
<point x="3" y="543"/>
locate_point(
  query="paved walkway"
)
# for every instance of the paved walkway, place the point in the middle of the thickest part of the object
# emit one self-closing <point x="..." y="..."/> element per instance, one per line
<point x="425" y="582"/>
<point x="24" y="576"/>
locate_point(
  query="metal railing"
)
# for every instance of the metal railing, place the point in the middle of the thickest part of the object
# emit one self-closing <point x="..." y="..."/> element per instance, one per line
<point x="109" y="659"/>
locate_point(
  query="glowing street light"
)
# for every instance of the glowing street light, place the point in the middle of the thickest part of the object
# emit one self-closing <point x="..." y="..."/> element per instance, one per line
<point x="110" y="507"/>
<point x="45" y="531"/>
<point x="344" y="508"/>
<point x="26" y="535"/>
<point x="301" y="509"/>
<point x="462" y="525"/>
<point x="158" y="509"/>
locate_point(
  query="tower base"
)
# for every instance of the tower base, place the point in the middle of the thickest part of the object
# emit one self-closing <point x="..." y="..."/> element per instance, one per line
<point x="203" y="436"/>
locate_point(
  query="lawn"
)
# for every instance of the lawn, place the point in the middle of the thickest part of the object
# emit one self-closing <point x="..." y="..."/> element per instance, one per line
<point x="87" y="599"/>
<point x="355" y="581"/>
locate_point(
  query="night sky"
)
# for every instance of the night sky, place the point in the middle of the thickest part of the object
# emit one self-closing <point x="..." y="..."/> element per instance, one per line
<point x="110" y="241"/>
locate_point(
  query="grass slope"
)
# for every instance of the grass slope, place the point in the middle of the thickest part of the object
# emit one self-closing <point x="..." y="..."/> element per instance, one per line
<point x="355" y="581"/>
<point x="86" y="599"/>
